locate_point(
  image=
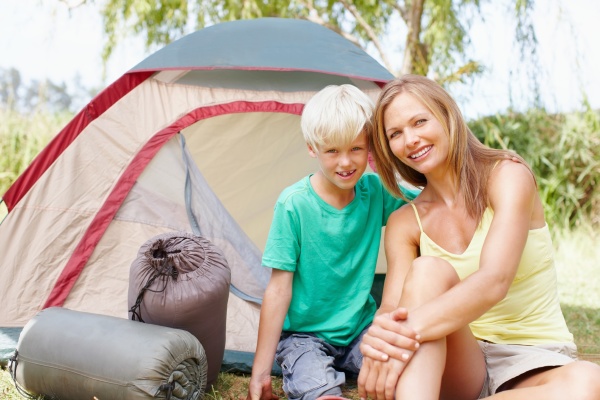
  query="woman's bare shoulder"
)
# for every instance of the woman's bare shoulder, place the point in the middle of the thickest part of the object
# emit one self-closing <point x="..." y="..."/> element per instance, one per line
<point x="510" y="174"/>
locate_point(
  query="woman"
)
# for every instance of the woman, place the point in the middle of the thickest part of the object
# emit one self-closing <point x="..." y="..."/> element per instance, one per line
<point x="470" y="268"/>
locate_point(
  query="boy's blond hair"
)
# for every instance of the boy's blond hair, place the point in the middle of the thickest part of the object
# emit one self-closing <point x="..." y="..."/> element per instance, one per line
<point x="336" y="115"/>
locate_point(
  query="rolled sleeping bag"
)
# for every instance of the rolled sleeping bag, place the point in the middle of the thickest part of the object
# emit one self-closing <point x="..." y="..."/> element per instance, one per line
<point x="68" y="354"/>
<point x="182" y="280"/>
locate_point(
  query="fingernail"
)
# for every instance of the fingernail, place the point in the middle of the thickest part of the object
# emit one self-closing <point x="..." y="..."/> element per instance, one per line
<point x="384" y="357"/>
<point x="405" y="356"/>
<point x="417" y="344"/>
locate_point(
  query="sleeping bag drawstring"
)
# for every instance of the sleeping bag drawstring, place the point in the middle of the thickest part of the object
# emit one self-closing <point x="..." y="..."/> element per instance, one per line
<point x="167" y="270"/>
<point x="13" y="374"/>
<point x="168" y="387"/>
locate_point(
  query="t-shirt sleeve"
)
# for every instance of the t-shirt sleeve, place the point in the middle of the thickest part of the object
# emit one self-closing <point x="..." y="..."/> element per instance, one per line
<point x="282" y="248"/>
<point x="410" y="194"/>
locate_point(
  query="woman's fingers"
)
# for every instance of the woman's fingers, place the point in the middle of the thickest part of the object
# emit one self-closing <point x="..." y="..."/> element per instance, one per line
<point x="395" y="323"/>
<point x="380" y="344"/>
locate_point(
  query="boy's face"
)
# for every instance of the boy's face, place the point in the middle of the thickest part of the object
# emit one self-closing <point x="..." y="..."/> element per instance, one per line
<point x="342" y="166"/>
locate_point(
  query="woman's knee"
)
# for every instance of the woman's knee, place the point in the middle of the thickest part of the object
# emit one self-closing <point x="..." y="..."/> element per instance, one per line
<point x="432" y="274"/>
<point x="584" y="379"/>
<point x="579" y="380"/>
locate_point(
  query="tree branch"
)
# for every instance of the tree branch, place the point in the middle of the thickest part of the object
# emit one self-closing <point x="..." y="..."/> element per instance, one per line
<point x="370" y="33"/>
<point x="313" y="16"/>
<point x="71" y="4"/>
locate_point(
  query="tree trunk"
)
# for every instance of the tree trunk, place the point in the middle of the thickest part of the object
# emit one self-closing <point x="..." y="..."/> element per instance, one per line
<point x="415" y="60"/>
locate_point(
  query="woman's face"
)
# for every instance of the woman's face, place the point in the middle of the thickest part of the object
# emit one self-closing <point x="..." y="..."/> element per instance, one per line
<point x="415" y="136"/>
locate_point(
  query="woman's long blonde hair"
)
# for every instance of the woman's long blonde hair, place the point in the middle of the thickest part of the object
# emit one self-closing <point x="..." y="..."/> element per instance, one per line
<point x="469" y="160"/>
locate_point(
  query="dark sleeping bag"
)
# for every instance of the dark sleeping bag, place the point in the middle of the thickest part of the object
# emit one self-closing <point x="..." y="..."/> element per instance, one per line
<point x="72" y="355"/>
<point x="182" y="280"/>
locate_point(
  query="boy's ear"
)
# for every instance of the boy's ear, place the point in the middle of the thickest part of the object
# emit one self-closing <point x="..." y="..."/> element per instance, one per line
<point x="311" y="151"/>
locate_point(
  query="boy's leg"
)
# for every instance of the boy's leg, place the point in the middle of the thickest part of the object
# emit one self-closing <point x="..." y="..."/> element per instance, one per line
<point x="307" y="366"/>
<point x="351" y="361"/>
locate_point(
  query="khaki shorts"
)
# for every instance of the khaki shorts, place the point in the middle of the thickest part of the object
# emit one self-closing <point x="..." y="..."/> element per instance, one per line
<point x="508" y="361"/>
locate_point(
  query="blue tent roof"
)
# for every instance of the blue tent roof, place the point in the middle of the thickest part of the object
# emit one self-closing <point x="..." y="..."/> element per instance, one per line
<point x="267" y="44"/>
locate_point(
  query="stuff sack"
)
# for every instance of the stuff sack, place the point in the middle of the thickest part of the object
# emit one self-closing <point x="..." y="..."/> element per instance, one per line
<point x="68" y="354"/>
<point x="182" y="280"/>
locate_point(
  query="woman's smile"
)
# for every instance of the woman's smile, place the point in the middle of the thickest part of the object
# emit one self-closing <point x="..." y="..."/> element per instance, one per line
<point x="420" y="153"/>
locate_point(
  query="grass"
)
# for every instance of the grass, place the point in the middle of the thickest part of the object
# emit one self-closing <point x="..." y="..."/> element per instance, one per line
<point x="577" y="268"/>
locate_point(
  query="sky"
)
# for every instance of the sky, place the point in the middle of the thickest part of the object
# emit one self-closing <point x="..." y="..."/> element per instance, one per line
<point x="43" y="39"/>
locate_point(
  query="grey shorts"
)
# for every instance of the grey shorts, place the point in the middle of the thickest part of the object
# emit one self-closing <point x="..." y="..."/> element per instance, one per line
<point x="312" y="368"/>
<point x="508" y="361"/>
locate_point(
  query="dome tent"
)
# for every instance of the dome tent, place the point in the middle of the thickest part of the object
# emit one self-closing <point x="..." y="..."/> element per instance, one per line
<point x="201" y="136"/>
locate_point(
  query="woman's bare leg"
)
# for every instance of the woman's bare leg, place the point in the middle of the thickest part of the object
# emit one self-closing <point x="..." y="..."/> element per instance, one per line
<point x="579" y="380"/>
<point x="451" y="367"/>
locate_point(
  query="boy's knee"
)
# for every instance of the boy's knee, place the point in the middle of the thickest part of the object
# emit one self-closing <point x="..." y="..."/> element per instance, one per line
<point x="322" y="382"/>
<point x="308" y="371"/>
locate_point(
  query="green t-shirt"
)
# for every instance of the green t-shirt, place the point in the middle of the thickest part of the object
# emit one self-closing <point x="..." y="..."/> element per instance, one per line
<point x="333" y="254"/>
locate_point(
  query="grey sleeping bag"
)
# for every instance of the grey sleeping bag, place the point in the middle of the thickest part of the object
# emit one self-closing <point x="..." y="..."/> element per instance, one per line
<point x="182" y="280"/>
<point x="68" y="354"/>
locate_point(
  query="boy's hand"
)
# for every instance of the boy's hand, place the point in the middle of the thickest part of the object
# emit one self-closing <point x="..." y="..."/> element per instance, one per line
<point x="388" y="337"/>
<point x="377" y="380"/>
<point x="261" y="389"/>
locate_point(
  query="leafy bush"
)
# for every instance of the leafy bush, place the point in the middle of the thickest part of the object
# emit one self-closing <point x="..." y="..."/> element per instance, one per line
<point x="564" y="153"/>
<point x="22" y="137"/>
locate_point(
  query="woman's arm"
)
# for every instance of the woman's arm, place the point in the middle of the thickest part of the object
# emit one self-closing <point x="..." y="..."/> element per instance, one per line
<point x="401" y="243"/>
<point x="379" y="373"/>
<point x="512" y="193"/>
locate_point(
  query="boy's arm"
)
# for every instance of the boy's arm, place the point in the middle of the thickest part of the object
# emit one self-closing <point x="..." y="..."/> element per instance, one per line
<point x="276" y="302"/>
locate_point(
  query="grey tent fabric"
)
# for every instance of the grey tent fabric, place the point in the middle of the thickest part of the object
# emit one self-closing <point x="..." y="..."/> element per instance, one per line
<point x="273" y="44"/>
<point x="73" y="355"/>
<point x="182" y="280"/>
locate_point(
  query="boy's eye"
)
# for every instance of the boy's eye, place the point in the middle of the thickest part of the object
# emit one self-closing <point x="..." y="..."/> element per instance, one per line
<point x="331" y="151"/>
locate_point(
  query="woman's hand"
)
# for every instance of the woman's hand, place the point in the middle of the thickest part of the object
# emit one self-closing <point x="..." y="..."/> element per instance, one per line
<point x="390" y="337"/>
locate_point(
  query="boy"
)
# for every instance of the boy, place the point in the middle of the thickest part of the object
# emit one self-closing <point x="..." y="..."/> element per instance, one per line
<point x="322" y="248"/>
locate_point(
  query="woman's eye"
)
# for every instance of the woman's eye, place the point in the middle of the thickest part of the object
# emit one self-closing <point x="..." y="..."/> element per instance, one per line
<point x="419" y="122"/>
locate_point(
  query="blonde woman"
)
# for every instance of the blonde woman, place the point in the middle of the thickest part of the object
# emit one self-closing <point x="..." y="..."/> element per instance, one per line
<point x="470" y="267"/>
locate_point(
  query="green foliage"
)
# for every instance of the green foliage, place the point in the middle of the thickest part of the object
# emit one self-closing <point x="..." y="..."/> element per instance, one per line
<point x="22" y="137"/>
<point x="436" y="39"/>
<point x="564" y="153"/>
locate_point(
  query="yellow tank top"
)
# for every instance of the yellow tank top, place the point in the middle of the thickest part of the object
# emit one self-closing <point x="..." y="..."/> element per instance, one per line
<point x="530" y="313"/>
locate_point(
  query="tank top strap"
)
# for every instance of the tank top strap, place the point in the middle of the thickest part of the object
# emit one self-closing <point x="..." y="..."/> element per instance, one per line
<point x="417" y="215"/>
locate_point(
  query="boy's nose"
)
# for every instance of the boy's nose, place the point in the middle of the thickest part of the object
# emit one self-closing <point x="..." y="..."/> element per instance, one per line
<point x="345" y="159"/>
